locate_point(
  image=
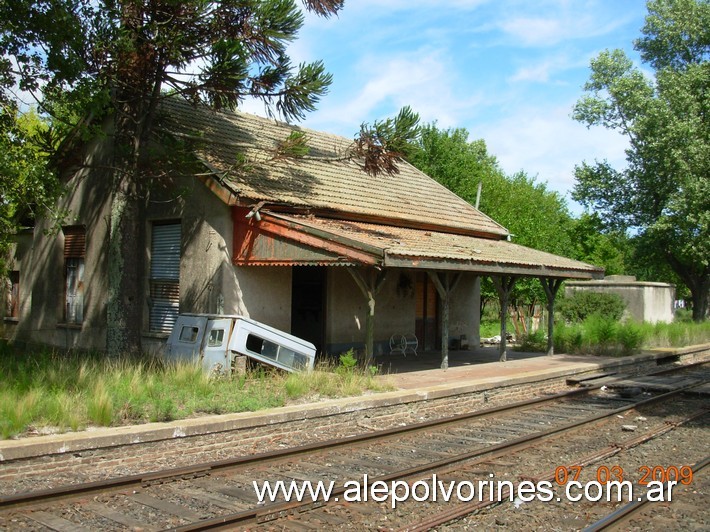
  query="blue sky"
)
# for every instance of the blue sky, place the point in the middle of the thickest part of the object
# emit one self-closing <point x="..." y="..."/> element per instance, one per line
<point x="509" y="71"/>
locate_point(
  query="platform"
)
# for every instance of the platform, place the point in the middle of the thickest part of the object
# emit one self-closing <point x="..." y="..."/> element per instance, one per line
<point x="479" y="365"/>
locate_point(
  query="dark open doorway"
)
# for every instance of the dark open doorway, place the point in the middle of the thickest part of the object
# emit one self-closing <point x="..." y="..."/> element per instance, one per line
<point x="308" y="304"/>
<point x="426" y="326"/>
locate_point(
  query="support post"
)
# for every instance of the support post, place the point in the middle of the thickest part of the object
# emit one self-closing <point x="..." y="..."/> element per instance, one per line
<point x="444" y="287"/>
<point x="551" y="287"/>
<point x="504" y="285"/>
<point x="369" y="284"/>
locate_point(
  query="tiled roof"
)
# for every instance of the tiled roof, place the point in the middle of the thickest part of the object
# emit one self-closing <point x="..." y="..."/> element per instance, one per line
<point x="238" y="147"/>
<point x="410" y="247"/>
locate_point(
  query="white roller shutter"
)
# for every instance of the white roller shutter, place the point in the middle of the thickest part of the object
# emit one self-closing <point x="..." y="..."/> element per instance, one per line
<point x="165" y="277"/>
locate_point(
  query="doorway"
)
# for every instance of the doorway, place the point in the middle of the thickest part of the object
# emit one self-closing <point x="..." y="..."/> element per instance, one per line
<point x="308" y="291"/>
<point x="426" y="325"/>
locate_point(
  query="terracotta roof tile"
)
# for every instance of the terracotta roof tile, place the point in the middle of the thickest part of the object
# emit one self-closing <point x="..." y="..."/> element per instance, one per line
<point x="239" y="147"/>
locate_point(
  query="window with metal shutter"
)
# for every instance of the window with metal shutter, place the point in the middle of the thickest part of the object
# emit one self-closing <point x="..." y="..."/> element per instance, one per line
<point x="74" y="251"/>
<point x="74" y="241"/>
<point x="165" y="277"/>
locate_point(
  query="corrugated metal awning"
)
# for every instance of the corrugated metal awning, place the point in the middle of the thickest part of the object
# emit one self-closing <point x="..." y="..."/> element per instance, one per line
<point x="349" y="242"/>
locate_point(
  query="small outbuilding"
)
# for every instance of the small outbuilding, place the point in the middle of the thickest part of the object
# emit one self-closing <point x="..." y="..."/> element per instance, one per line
<point x="645" y="301"/>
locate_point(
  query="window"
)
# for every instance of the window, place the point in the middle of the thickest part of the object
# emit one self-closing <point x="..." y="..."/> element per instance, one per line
<point x="216" y="338"/>
<point x="189" y="334"/>
<point x="164" y="277"/>
<point x="74" y="251"/>
<point x="13" y="296"/>
<point x="273" y="351"/>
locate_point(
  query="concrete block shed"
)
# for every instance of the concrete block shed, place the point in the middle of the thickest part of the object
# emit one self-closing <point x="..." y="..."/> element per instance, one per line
<point x="645" y="301"/>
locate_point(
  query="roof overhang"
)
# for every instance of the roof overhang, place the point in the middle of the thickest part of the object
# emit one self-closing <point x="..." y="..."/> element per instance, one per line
<point x="278" y="240"/>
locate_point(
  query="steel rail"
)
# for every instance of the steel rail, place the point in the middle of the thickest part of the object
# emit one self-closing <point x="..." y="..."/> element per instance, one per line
<point x="276" y="510"/>
<point x="624" y="513"/>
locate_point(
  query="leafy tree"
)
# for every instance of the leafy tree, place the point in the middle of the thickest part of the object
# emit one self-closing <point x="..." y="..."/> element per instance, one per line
<point x="120" y="58"/>
<point x="595" y="244"/>
<point x="27" y="186"/>
<point x="663" y="195"/>
<point x="536" y="216"/>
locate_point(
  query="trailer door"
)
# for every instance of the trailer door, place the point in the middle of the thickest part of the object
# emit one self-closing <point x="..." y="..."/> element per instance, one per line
<point x="216" y="339"/>
<point x="185" y="341"/>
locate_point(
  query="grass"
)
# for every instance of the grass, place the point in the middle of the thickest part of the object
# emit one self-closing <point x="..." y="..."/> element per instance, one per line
<point x="49" y="391"/>
<point x="602" y="336"/>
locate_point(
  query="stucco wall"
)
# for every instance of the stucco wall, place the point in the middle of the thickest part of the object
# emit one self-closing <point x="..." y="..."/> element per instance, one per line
<point x="209" y="282"/>
<point x="40" y="260"/>
<point x="347" y="310"/>
<point x="465" y="310"/>
<point x="394" y="310"/>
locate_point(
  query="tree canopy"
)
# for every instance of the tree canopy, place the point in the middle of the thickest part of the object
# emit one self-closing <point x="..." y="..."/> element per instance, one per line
<point x="662" y="197"/>
<point x="27" y="186"/>
<point x="536" y="216"/>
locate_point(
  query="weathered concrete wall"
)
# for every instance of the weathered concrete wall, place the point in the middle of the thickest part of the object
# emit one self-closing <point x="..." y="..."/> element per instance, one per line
<point x="207" y="280"/>
<point x="347" y="310"/>
<point x="645" y="301"/>
<point x="265" y="294"/>
<point x="41" y="264"/>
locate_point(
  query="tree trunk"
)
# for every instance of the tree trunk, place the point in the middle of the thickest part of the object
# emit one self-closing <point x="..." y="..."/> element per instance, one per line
<point x="701" y="298"/>
<point x="125" y="257"/>
<point x="124" y="309"/>
<point x="697" y="281"/>
<point x="135" y="99"/>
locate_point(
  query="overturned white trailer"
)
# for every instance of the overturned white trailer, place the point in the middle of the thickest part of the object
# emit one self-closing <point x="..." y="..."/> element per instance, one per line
<point x="216" y="340"/>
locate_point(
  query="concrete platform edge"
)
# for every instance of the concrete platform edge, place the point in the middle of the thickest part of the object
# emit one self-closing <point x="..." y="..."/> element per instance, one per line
<point x="132" y="434"/>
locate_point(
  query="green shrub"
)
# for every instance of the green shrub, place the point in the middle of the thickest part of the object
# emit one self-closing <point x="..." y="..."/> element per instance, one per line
<point x="631" y="337"/>
<point x="348" y="360"/>
<point x="600" y="330"/>
<point x="567" y="338"/>
<point x="534" y="342"/>
<point x="582" y="304"/>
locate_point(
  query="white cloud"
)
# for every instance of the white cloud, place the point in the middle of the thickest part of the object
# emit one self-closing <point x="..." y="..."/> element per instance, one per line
<point x="545" y="142"/>
<point x="535" y="25"/>
<point x="541" y="71"/>
<point x="423" y="80"/>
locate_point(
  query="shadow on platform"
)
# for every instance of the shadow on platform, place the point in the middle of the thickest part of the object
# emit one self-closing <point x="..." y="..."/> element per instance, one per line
<point x="398" y="363"/>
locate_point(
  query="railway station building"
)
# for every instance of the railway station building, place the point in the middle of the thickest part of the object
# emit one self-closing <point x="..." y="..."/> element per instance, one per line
<point x="312" y="245"/>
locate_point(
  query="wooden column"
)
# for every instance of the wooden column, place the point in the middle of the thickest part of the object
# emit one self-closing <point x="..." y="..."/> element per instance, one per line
<point x="504" y="285"/>
<point x="370" y="283"/>
<point x="445" y="284"/>
<point x="551" y="287"/>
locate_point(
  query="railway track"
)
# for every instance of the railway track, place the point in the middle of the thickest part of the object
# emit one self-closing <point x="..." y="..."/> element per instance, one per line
<point x="221" y="494"/>
<point x="628" y="515"/>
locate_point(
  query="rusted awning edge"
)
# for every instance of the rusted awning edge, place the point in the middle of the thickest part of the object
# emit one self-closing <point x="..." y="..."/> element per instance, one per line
<point x="372" y="245"/>
<point x="493" y="268"/>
